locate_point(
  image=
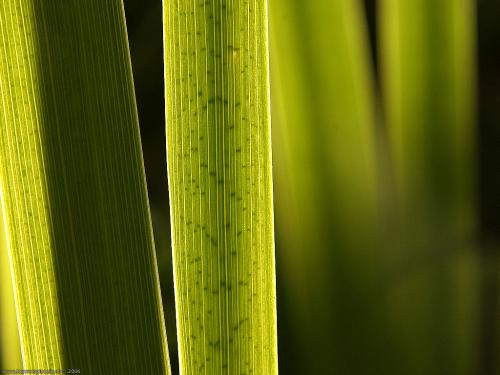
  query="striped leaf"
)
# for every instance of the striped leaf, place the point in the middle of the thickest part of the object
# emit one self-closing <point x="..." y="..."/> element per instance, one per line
<point x="219" y="160"/>
<point x="74" y="191"/>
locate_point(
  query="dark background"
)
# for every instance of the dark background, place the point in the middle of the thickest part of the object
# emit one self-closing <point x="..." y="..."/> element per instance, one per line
<point x="144" y="20"/>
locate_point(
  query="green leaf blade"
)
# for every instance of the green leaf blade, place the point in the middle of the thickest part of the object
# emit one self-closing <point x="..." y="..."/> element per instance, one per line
<point x="219" y="154"/>
<point x="74" y="190"/>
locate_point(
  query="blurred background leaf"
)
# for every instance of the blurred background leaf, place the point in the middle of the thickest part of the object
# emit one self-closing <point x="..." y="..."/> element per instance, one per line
<point x="327" y="201"/>
<point x="427" y="65"/>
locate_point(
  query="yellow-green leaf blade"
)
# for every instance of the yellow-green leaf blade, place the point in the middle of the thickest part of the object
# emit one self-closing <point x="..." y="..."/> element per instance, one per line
<point x="219" y="158"/>
<point x="74" y="191"/>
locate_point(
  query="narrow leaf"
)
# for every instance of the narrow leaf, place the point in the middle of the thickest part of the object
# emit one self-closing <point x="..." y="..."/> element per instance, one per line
<point x="326" y="187"/>
<point x="427" y="63"/>
<point x="219" y="159"/>
<point x="74" y="190"/>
